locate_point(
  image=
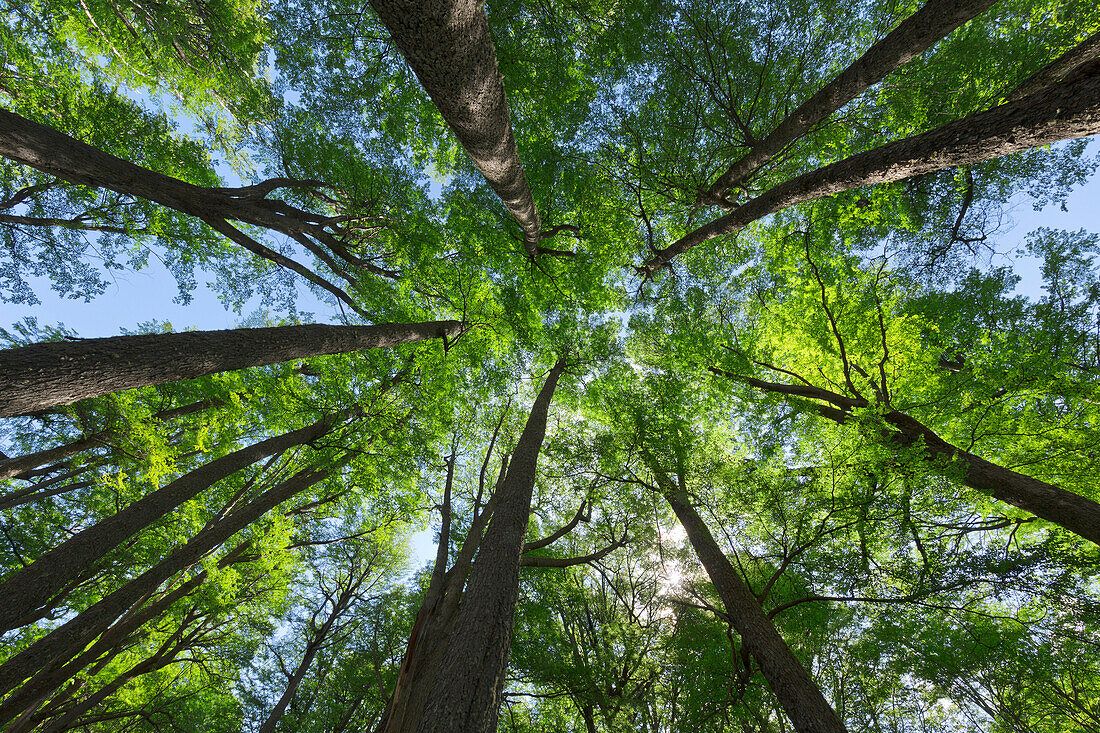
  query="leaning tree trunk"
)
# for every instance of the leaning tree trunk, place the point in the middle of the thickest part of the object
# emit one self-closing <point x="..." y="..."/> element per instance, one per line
<point x="448" y="45"/>
<point x="913" y="37"/>
<point x="20" y="465"/>
<point x="26" y="700"/>
<point x="33" y="585"/>
<point x="1068" y="109"/>
<point x="468" y="686"/>
<point x="1056" y="505"/>
<point x="796" y="691"/>
<point x="1066" y="509"/>
<point x="63" y="643"/>
<point x="1058" y="69"/>
<point x="53" y="152"/>
<point x="45" y="375"/>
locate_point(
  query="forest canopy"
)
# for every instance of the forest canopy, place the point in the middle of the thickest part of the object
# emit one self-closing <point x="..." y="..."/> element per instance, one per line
<point x="688" y="336"/>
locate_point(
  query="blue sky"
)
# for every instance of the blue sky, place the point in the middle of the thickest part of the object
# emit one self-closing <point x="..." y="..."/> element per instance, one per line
<point x="134" y="297"/>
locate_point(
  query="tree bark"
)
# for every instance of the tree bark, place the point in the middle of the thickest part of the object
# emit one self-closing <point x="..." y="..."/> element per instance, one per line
<point x="434" y="622"/>
<point x="1068" y="109"/>
<point x="1058" y="69"/>
<point x="796" y="691"/>
<point x="15" y="467"/>
<point x="50" y="374"/>
<point x="468" y="687"/>
<point x="912" y="37"/>
<point x="66" y="641"/>
<point x="41" y="686"/>
<point x="448" y="45"/>
<point x="1066" y="509"/>
<point x="33" y="585"/>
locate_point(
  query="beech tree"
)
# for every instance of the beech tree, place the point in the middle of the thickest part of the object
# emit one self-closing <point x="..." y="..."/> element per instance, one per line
<point x="799" y="436"/>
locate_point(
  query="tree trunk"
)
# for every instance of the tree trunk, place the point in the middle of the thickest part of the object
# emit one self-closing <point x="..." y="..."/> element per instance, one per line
<point x="1058" y="69"/>
<point x="45" y="375"/>
<point x="466" y="694"/>
<point x="796" y="691"/>
<point x="1066" y="509"/>
<point x="33" y="585"/>
<point x="434" y="622"/>
<point x="42" y="685"/>
<point x="165" y="655"/>
<point x="15" y="467"/>
<point x="914" y="36"/>
<point x="448" y="45"/>
<point x="1068" y="109"/>
<point x="66" y="641"/>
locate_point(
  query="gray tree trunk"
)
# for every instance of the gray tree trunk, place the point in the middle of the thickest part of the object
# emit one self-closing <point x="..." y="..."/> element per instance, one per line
<point x="912" y="37"/>
<point x="466" y="694"/>
<point x="65" y="642"/>
<point x="448" y="45"/>
<point x="796" y="691"/>
<point x="1066" y="110"/>
<point x="33" y="585"/>
<point x="49" y="374"/>
<point x="55" y="153"/>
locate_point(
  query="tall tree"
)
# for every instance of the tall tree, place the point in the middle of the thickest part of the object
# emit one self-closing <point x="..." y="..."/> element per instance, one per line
<point x="46" y="375"/>
<point x="448" y="45"/>
<point x="466" y="691"/>
<point x="916" y="34"/>
<point x="1062" y="111"/>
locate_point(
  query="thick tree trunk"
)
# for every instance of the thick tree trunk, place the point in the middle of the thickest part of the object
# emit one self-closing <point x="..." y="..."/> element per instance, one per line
<point x="1068" y="109"/>
<point x="65" y="642"/>
<point x="796" y="691"/>
<point x="434" y="622"/>
<point x="914" y="36"/>
<point x="15" y="467"/>
<point x="466" y="693"/>
<point x="33" y="585"/>
<point x="448" y="45"/>
<point x="45" y="375"/>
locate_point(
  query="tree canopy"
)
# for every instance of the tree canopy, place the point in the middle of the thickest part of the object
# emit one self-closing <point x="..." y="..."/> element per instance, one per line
<point x="673" y="373"/>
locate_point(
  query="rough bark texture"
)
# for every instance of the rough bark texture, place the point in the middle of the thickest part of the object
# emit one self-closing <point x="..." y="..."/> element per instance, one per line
<point x="33" y="585"/>
<point x="796" y="691"/>
<point x="916" y="34"/>
<point x="1068" y="109"/>
<point x="14" y="467"/>
<point x="65" y="642"/>
<point x="448" y="45"/>
<point x="467" y="691"/>
<point x="434" y="622"/>
<point x="45" y="375"/>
